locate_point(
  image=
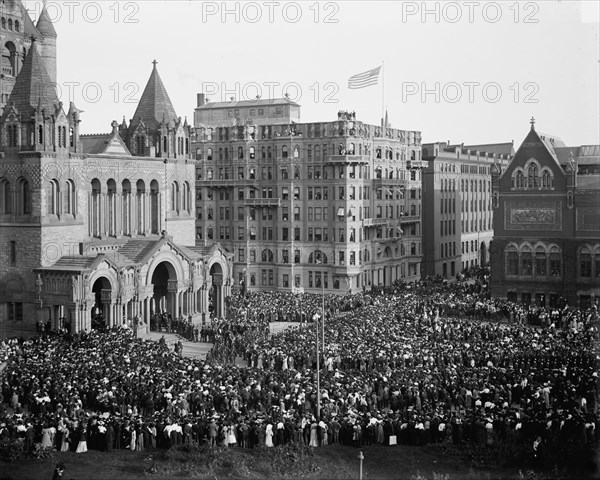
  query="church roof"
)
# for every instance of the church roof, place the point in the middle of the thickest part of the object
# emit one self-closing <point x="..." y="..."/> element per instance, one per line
<point x="33" y="87"/>
<point x="155" y="104"/>
<point x="44" y="24"/>
<point x="109" y="144"/>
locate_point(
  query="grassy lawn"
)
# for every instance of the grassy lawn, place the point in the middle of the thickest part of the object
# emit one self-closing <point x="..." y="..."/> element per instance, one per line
<point x="333" y="462"/>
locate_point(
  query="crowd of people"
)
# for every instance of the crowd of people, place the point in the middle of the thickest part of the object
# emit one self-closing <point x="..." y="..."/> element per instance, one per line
<point x="410" y="364"/>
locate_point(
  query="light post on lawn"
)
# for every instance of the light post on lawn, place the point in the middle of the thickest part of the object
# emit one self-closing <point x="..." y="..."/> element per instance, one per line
<point x="316" y="320"/>
<point x="361" y="457"/>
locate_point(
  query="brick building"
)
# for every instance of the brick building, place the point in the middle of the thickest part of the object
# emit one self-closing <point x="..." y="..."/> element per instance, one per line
<point x="546" y="205"/>
<point x="457" y="212"/>
<point x="98" y="225"/>
<point x="312" y="206"/>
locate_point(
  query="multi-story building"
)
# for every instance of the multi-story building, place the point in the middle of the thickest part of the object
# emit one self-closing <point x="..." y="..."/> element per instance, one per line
<point x="333" y="205"/>
<point x="16" y="34"/>
<point x="457" y="213"/>
<point x="546" y="246"/>
<point x="88" y="229"/>
<point x="276" y="111"/>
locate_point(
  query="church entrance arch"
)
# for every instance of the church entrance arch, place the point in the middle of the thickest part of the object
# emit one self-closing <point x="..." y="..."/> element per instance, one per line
<point x="215" y="298"/>
<point x="164" y="299"/>
<point x="100" y="314"/>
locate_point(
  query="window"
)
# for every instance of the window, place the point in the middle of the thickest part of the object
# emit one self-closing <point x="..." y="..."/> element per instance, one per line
<point x="512" y="262"/>
<point x="532" y="176"/>
<point x="585" y="264"/>
<point x="13" y="252"/>
<point x="540" y="263"/>
<point x="296" y="256"/>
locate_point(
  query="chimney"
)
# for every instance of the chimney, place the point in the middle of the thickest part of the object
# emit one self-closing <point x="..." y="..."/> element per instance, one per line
<point x="201" y="99"/>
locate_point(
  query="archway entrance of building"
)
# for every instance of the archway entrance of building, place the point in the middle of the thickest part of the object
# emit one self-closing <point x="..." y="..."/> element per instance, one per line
<point x="216" y="292"/>
<point x="102" y="299"/>
<point x="164" y="280"/>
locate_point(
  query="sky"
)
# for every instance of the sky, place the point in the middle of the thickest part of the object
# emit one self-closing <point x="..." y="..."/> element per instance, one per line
<point x="470" y="72"/>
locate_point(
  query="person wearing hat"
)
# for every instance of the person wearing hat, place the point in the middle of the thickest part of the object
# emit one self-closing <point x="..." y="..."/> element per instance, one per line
<point x="58" y="471"/>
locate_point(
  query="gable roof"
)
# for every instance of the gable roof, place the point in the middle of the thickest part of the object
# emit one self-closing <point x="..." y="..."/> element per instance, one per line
<point x="154" y="105"/>
<point x="548" y="142"/>
<point x="33" y="87"/>
<point x="109" y="144"/>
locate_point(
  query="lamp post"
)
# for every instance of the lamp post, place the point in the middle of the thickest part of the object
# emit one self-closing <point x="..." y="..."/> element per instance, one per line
<point x="316" y="320"/>
<point x="361" y="457"/>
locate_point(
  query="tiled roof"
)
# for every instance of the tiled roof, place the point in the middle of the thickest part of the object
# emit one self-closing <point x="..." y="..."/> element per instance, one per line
<point x="77" y="263"/>
<point x="44" y="24"/>
<point x="94" y="143"/>
<point x="154" y="105"/>
<point x="248" y="103"/>
<point x="33" y="87"/>
<point x="136" y="250"/>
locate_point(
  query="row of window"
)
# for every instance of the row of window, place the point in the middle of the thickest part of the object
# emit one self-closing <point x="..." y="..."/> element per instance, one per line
<point x="313" y="234"/>
<point x="529" y="177"/>
<point x="313" y="171"/>
<point x="476" y="225"/>
<point x="8" y="24"/>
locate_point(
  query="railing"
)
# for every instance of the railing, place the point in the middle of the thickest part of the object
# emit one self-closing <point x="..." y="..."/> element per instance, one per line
<point x="347" y="159"/>
<point x="410" y="219"/>
<point x="263" y="202"/>
<point x="374" y="222"/>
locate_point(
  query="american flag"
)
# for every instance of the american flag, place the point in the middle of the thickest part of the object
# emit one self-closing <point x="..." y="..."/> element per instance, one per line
<point x="365" y="79"/>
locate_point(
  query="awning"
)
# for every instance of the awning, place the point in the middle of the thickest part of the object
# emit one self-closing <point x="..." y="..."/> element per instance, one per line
<point x="252" y="231"/>
<point x="340" y="212"/>
<point x="351" y="212"/>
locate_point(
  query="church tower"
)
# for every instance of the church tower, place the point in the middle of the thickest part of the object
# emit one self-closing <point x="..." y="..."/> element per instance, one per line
<point x="17" y="32"/>
<point x="155" y="129"/>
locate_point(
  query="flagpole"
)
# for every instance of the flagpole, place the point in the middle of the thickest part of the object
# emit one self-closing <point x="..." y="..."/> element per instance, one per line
<point x="383" y="94"/>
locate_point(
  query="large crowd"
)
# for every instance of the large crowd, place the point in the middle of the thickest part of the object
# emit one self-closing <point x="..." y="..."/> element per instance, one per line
<point x="418" y="364"/>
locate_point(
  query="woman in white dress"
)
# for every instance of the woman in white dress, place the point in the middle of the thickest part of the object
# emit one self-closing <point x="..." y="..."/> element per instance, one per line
<point x="82" y="445"/>
<point x="314" y="439"/>
<point x="133" y="440"/>
<point x="269" y="436"/>
<point x="46" y="436"/>
<point x="232" y="440"/>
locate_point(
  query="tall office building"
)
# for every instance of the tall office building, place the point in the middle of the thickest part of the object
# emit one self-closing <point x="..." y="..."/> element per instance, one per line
<point x="332" y="206"/>
<point x="457" y="213"/>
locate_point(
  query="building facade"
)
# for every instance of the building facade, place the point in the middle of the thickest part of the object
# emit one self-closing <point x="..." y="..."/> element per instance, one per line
<point x="276" y="111"/>
<point x="332" y="206"/>
<point x="99" y="225"/>
<point x="546" y="247"/>
<point x="16" y="33"/>
<point x="457" y="208"/>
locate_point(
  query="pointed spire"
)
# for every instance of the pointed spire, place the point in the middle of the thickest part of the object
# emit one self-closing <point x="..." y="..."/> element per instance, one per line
<point x="387" y="123"/>
<point x="155" y="105"/>
<point x="532" y="121"/>
<point x="33" y="89"/>
<point x="44" y="24"/>
<point x="124" y="123"/>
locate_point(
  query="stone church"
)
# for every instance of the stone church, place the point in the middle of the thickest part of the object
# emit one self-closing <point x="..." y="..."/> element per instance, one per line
<point x="98" y="225"/>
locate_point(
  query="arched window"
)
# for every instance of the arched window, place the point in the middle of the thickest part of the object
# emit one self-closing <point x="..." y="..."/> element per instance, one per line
<point x="267" y="256"/>
<point x="555" y="261"/>
<point x="10" y="24"/>
<point x="585" y="263"/>
<point x="296" y="152"/>
<point x="140" y="144"/>
<point x="240" y="153"/>
<point x="126" y="206"/>
<point x="53" y="197"/>
<point x="209" y="154"/>
<point x="154" y="207"/>
<point x="5" y="197"/>
<point x="252" y="153"/>
<point x="70" y="197"/>
<point x="378" y="152"/>
<point x="317" y="257"/>
<point x="526" y="261"/>
<point x="532" y="176"/>
<point x="175" y="196"/>
<point x="518" y="179"/>
<point x="140" y="187"/>
<point x="269" y="152"/>
<point x="317" y="151"/>
<point x="198" y="154"/>
<point x="165" y="146"/>
<point x="17" y="26"/>
<point x="111" y="190"/>
<point x="12" y="136"/>
<point x="186" y="197"/>
<point x="541" y="267"/>
<point x="547" y="180"/>
<point x="40" y="134"/>
<point x="284" y="151"/>
<point x="366" y="255"/>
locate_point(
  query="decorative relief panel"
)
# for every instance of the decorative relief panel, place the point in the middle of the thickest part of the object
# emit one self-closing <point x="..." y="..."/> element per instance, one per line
<point x="588" y="219"/>
<point x="533" y="216"/>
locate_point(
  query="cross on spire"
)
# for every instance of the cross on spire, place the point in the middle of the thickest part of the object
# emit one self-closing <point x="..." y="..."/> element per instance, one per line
<point x="532" y="121"/>
<point x="154" y="62"/>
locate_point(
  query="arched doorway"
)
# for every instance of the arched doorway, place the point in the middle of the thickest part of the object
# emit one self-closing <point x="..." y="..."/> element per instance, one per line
<point x="164" y="300"/>
<point x="215" y="297"/>
<point x="100" y="314"/>
<point x="483" y="254"/>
